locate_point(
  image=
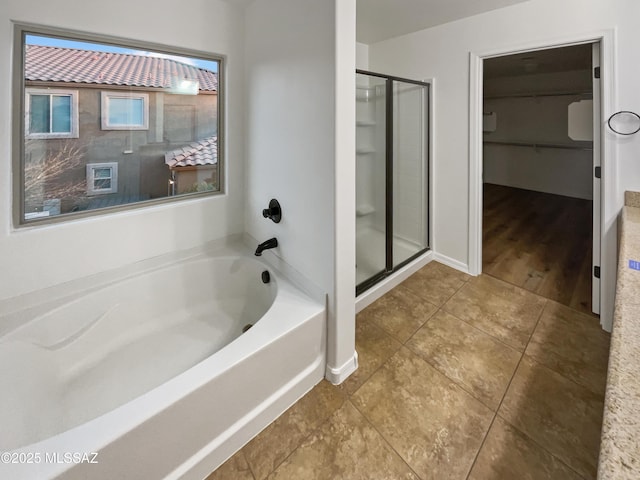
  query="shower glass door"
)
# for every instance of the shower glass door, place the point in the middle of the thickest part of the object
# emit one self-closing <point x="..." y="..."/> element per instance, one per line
<point x="370" y="176"/>
<point x="392" y="175"/>
<point x="410" y="172"/>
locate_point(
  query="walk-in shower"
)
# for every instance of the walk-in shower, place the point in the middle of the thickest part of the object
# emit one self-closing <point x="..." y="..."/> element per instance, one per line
<point x="392" y="174"/>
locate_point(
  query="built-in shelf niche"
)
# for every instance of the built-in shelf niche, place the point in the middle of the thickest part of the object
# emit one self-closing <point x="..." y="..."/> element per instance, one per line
<point x="365" y="150"/>
<point x="364" y="210"/>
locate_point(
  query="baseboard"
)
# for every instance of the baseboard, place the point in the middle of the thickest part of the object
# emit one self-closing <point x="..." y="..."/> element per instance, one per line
<point x="367" y="298"/>
<point x="450" y="262"/>
<point x="338" y="375"/>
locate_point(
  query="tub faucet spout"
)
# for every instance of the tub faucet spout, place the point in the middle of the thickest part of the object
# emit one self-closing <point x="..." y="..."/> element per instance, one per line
<point x="271" y="243"/>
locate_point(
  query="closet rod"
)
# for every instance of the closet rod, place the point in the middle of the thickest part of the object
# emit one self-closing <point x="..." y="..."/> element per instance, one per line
<point x="539" y="145"/>
<point x="535" y="95"/>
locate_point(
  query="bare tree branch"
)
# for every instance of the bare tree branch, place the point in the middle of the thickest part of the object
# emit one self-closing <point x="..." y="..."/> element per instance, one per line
<point x="52" y="176"/>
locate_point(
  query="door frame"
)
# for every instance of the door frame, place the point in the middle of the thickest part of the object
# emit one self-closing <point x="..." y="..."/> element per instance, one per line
<point x="608" y="154"/>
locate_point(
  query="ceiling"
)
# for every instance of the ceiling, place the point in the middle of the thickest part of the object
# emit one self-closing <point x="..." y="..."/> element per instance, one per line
<point x="577" y="57"/>
<point x="379" y="20"/>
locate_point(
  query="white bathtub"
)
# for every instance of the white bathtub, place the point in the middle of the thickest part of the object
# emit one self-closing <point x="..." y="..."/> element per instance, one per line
<point x="148" y="372"/>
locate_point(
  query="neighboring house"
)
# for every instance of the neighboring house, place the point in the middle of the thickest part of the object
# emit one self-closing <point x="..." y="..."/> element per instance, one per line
<point x="194" y="167"/>
<point x="106" y="123"/>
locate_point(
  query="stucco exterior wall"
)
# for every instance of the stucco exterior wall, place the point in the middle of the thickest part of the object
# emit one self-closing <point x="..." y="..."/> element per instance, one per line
<point x="174" y="121"/>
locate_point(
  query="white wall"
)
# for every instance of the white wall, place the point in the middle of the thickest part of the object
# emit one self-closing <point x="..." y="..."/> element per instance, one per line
<point x="556" y="171"/>
<point x="37" y="257"/>
<point x="362" y="56"/>
<point x="443" y="53"/>
<point x="297" y="80"/>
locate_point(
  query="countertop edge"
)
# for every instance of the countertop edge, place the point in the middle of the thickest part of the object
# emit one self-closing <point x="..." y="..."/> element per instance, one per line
<point x="620" y="441"/>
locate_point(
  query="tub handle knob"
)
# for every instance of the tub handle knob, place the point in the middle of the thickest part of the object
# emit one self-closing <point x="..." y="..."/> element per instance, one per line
<point x="274" y="212"/>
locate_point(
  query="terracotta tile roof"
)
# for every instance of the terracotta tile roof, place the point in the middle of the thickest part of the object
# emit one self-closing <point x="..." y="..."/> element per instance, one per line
<point x="202" y="152"/>
<point x="55" y="64"/>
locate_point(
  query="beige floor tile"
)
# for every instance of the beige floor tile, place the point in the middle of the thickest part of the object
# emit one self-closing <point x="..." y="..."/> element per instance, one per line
<point x="399" y="313"/>
<point x="435" y="282"/>
<point x="555" y="412"/>
<point x="276" y="442"/>
<point x="407" y="409"/>
<point x="345" y="447"/>
<point x="502" y="310"/>
<point x="374" y="347"/>
<point x="508" y="454"/>
<point x="435" y="426"/>
<point x="236" y="468"/>
<point x="474" y="360"/>
<point x="573" y="344"/>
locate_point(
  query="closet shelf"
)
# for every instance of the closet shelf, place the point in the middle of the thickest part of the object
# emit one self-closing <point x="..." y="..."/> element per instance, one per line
<point x="539" y="145"/>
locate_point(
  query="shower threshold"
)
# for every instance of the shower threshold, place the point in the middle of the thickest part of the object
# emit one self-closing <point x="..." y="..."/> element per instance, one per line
<point x="370" y="252"/>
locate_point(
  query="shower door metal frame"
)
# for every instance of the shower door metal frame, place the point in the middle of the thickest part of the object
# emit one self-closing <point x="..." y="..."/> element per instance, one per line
<point x="389" y="161"/>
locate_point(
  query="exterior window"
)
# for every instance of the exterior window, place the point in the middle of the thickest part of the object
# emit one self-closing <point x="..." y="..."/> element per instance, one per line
<point x="51" y="113"/>
<point x="125" y="111"/>
<point x="102" y="178"/>
<point x="103" y="126"/>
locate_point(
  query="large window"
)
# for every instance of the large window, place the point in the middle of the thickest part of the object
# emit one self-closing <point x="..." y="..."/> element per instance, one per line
<point x="104" y="126"/>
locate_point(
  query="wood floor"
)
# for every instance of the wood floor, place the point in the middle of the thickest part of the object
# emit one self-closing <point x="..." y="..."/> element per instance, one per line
<point x="540" y="242"/>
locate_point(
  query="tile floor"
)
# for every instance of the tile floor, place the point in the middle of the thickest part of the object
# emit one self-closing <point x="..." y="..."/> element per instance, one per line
<point x="459" y="378"/>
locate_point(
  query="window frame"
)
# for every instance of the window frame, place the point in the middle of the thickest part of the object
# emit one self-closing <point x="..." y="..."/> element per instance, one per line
<point x="107" y="95"/>
<point x="91" y="167"/>
<point x="51" y="92"/>
<point x="18" y="85"/>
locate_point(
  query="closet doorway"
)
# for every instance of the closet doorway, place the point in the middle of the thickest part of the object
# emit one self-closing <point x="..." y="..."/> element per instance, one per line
<point x="541" y="173"/>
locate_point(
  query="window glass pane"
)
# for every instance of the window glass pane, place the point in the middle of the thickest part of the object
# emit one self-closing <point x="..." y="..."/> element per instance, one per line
<point x="102" y="173"/>
<point x="102" y="184"/>
<point x="61" y="113"/>
<point x="126" y="111"/>
<point x="142" y="126"/>
<point x="39" y="121"/>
